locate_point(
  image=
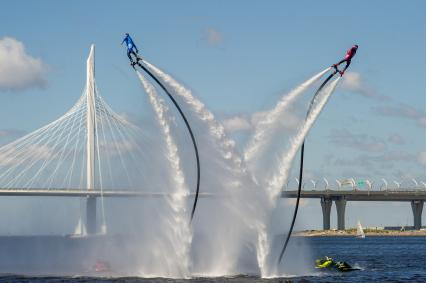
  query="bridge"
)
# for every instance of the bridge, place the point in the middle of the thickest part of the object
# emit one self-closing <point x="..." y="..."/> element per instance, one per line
<point x="88" y="152"/>
<point x="415" y="195"/>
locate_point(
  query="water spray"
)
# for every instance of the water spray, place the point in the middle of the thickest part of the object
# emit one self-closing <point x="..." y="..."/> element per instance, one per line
<point x="178" y="198"/>
<point x="264" y="129"/>
<point x="189" y="130"/>
<point x="302" y="151"/>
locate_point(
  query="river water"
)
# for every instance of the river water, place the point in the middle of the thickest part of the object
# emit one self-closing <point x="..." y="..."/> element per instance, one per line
<point x="381" y="259"/>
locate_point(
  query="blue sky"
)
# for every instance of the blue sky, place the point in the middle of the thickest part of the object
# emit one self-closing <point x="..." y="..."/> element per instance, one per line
<point x="239" y="57"/>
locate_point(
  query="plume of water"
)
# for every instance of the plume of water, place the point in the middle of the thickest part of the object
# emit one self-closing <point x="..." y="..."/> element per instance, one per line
<point x="264" y="130"/>
<point x="243" y="207"/>
<point x="278" y="179"/>
<point x="216" y="130"/>
<point x="181" y="235"/>
<point x="246" y="204"/>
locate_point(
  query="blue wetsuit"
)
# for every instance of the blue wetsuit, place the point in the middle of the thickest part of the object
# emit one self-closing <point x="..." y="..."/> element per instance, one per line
<point x="131" y="47"/>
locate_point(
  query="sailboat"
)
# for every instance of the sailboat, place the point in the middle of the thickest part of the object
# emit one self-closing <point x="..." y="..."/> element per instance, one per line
<point x="360" y="231"/>
<point x="80" y="229"/>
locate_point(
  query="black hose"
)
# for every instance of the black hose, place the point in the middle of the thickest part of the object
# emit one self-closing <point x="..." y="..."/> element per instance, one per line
<point x="190" y="133"/>
<point x="302" y="152"/>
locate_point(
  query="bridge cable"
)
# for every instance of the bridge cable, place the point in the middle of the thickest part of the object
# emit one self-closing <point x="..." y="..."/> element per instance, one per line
<point x="299" y="189"/>
<point x="189" y="130"/>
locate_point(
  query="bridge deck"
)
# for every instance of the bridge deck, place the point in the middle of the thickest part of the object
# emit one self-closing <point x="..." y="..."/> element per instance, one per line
<point x="85" y="193"/>
<point x="357" y="195"/>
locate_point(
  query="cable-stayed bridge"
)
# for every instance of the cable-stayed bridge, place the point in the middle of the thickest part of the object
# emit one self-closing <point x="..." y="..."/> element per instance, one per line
<point x="88" y="152"/>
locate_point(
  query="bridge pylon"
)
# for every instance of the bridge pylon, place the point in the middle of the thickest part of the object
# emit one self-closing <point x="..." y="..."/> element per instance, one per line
<point x="340" y="208"/>
<point x="91" y="142"/>
<point x="417" y="207"/>
<point x="326" y="212"/>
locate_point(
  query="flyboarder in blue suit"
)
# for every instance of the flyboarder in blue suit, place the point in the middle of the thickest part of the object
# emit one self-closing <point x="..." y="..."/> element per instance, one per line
<point x="131" y="48"/>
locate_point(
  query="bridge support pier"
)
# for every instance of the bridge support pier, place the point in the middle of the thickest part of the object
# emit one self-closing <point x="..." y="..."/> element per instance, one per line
<point x="326" y="210"/>
<point x="340" y="208"/>
<point x="91" y="215"/>
<point x="417" y="207"/>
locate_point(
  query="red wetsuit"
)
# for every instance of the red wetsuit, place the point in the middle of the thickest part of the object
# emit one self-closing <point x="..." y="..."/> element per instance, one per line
<point x="351" y="53"/>
<point x="348" y="57"/>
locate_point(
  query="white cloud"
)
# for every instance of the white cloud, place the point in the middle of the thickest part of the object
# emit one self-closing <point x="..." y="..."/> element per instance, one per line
<point x="396" y="139"/>
<point x="402" y="110"/>
<point x="288" y="120"/>
<point x="385" y="160"/>
<point x="362" y="142"/>
<point x="236" y="124"/>
<point x="352" y="81"/>
<point x="292" y="202"/>
<point x="422" y="121"/>
<point x="31" y="153"/>
<point x="239" y="123"/>
<point x="6" y="133"/>
<point x="19" y="70"/>
<point x="421" y="158"/>
<point x="213" y="36"/>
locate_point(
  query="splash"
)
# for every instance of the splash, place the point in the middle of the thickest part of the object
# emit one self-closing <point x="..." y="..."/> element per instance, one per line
<point x="179" y="222"/>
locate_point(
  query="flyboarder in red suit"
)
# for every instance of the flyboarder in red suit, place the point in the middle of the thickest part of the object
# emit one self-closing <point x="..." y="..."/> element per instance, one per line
<point x="348" y="57"/>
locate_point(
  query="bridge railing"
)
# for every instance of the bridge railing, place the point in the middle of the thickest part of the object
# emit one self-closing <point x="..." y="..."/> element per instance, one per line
<point x="361" y="185"/>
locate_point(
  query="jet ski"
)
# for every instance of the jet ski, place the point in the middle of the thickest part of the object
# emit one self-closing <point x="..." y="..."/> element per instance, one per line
<point x="329" y="264"/>
<point x="324" y="263"/>
<point x="343" y="266"/>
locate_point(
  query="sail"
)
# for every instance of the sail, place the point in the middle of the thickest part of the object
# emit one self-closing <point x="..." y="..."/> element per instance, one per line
<point x="360" y="231"/>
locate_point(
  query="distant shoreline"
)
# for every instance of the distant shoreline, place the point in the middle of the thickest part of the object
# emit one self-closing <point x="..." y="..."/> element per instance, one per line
<point x="368" y="233"/>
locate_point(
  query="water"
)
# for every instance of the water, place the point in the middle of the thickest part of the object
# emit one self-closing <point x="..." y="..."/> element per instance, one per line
<point x="276" y="182"/>
<point x="248" y="208"/>
<point x="178" y="224"/>
<point x="243" y="209"/>
<point x="266" y="127"/>
<point x="381" y="259"/>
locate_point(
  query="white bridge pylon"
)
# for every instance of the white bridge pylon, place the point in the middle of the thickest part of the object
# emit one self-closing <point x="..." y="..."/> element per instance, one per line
<point x="90" y="148"/>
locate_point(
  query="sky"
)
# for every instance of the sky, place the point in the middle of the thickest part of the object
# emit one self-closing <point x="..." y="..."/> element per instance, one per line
<point x="239" y="58"/>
